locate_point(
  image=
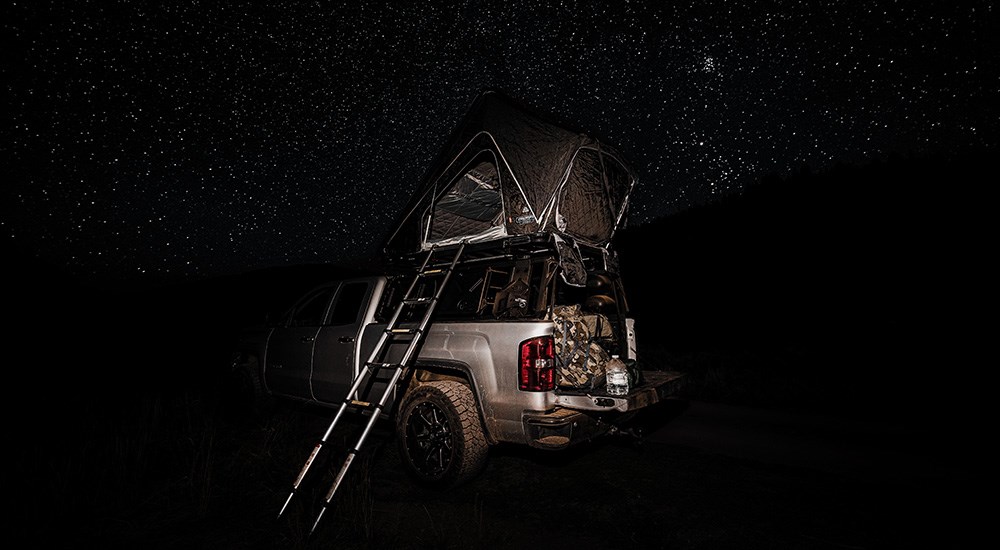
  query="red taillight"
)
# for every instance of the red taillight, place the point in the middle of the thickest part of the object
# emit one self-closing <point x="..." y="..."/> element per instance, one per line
<point x="537" y="364"/>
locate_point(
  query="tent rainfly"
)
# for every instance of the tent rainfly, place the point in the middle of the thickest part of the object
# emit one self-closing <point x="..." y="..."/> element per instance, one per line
<point x="507" y="172"/>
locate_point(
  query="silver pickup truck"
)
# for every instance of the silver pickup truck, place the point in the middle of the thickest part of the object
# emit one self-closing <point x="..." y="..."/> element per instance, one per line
<point x="531" y="342"/>
<point x="514" y="355"/>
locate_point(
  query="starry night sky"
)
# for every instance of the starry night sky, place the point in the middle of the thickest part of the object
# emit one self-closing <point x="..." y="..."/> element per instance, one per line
<point x="158" y="141"/>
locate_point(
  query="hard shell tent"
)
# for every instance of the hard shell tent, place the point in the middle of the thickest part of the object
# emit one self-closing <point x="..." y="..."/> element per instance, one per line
<point x="509" y="171"/>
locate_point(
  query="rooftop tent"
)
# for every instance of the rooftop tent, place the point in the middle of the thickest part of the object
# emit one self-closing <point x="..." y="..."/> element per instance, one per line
<point x="508" y="171"/>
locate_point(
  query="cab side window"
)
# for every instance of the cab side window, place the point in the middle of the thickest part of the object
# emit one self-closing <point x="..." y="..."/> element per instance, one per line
<point x="311" y="311"/>
<point x="348" y="307"/>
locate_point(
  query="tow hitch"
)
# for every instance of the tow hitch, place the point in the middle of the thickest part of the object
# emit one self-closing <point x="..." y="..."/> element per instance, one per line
<point x="632" y="434"/>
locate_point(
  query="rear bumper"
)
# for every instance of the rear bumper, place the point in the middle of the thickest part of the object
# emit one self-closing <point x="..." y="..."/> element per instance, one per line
<point x="582" y="416"/>
<point x="560" y="428"/>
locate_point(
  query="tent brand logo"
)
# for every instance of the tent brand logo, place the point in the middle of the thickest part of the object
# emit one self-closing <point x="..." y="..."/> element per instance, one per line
<point x="526" y="219"/>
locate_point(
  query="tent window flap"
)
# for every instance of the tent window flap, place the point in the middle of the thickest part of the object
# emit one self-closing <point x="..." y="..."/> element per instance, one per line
<point x="471" y="205"/>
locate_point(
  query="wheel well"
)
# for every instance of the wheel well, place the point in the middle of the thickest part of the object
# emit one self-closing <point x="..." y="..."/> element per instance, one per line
<point x="427" y="373"/>
<point x="245" y="359"/>
<point x="248" y="359"/>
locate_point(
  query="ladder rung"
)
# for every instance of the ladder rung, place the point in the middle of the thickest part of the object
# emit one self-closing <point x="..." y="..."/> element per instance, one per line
<point x="421" y="300"/>
<point x="385" y="365"/>
<point x="361" y="404"/>
<point x="428" y="272"/>
<point x="402" y="330"/>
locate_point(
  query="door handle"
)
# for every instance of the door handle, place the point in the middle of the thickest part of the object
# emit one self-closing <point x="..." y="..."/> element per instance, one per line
<point x="346" y="339"/>
<point x="306" y="339"/>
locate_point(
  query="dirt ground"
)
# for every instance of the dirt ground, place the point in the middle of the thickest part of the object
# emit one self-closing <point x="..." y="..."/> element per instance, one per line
<point x="179" y="473"/>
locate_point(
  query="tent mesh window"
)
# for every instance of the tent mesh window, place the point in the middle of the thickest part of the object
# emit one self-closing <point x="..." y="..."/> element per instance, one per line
<point x="471" y="205"/>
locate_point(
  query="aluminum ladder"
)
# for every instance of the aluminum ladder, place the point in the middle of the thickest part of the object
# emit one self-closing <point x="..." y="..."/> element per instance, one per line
<point x="412" y="337"/>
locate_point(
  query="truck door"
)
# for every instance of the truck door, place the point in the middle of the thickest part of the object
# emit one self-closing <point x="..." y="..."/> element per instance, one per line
<point x="335" y="358"/>
<point x="290" y="348"/>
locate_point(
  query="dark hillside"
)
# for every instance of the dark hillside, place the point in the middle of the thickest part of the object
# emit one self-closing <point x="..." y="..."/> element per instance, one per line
<point x="857" y="283"/>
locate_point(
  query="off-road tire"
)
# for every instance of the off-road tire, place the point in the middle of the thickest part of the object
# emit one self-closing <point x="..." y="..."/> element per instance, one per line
<point x="439" y="434"/>
<point x="248" y="396"/>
